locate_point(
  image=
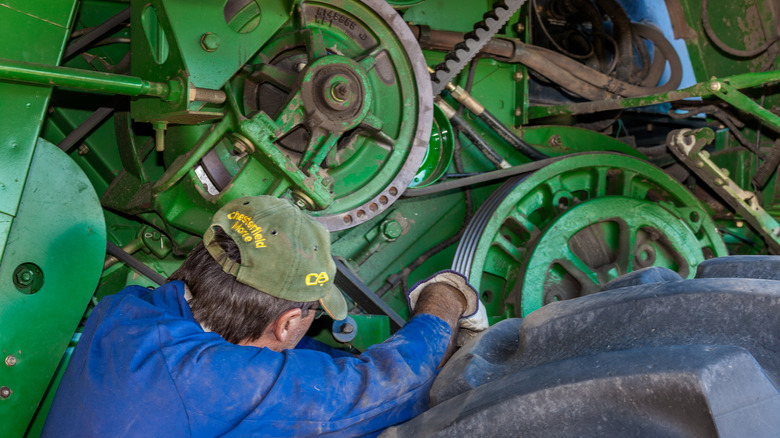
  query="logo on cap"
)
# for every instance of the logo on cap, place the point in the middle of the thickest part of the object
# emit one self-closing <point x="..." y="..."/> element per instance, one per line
<point x="315" y="279"/>
<point x="247" y="229"/>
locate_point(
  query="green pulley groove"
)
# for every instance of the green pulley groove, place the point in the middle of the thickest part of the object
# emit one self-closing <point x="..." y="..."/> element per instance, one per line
<point x="576" y="224"/>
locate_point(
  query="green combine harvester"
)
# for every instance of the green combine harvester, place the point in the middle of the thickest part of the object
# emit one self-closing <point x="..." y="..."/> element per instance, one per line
<point x="557" y="152"/>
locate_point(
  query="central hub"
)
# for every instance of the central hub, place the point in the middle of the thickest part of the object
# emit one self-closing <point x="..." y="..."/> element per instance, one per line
<point x="339" y="93"/>
<point x="336" y="93"/>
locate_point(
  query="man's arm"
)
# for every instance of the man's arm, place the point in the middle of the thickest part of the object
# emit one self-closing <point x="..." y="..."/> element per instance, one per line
<point x="445" y="302"/>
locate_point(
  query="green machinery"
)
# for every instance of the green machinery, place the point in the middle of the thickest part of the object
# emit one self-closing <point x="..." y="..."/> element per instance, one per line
<point x="541" y="147"/>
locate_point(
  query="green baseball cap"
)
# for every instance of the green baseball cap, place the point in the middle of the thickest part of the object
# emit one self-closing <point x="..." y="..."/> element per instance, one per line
<point x="284" y="252"/>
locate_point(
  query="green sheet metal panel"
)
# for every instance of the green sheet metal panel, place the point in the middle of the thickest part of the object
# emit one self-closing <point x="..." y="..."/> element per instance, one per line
<point x="50" y="268"/>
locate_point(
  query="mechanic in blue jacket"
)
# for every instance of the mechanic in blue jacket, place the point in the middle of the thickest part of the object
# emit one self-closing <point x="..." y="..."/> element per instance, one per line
<point x="220" y="349"/>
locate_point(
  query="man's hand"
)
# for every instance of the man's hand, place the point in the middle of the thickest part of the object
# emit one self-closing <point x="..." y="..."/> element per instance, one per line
<point x="472" y="318"/>
<point x="447" y="303"/>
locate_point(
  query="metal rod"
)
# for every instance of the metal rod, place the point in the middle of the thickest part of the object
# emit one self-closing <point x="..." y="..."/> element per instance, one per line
<point x="134" y="263"/>
<point x="96" y="33"/>
<point x="81" y="131"/>
<point x="81" y="79"/>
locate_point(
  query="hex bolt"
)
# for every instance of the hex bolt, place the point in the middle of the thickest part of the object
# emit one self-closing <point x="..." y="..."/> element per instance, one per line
<point x="24" y="277"/>
<point x="518" y="112"/>
<point x="519" y="27"/>
<point x="5" y="392"/>
<point x="340" y="91"/>
<point x="347" y="329"/>
<point x="391" y="230"/>
<point x="10" y="360"/>
<point x="518" y="76"/>
<point x="209" y="41"/>
<point x="83" y="149"/>
<point x="715" y="86"/>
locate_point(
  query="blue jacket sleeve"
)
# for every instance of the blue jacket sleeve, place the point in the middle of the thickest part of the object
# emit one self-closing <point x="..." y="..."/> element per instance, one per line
<point x="246" y="390"/>
<point x="308" y="343"/>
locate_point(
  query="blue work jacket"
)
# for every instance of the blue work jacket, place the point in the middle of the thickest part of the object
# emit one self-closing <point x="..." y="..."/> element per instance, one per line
<point x="145" y="367"/>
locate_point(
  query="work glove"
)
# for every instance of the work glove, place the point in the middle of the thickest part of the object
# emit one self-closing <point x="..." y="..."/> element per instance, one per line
<point x="474" y="319"/>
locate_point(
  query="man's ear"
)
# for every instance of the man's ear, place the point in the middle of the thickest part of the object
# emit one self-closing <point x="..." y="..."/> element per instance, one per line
<point x="286" y="323"/>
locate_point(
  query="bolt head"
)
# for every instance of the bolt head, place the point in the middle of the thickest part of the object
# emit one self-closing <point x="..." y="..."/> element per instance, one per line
<point x="10" y="360"/>
<point x="209" y="41"/>
<point x="24" y="277"/>
<point x="715" y="86"/>
<point x="392" y="230"/>
<point x="5" y="392"/>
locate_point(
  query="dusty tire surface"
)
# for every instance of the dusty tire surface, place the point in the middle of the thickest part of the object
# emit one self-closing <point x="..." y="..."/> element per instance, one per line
<point x="649" y="356"/>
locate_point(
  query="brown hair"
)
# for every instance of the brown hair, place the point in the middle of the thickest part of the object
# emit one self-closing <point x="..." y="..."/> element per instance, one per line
<point x="221" y="303"/>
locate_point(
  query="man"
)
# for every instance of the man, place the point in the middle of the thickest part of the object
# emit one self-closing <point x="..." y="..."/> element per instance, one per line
<point x="219" y="350"/>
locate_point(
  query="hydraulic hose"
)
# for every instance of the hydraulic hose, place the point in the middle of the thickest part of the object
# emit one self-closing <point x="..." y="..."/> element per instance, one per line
<point x="459" y="123"/>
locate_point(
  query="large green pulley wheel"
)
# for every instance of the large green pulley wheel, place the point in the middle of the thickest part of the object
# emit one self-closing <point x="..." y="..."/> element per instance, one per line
<point x="567" y="229"/>
<point x="348" y="84"/>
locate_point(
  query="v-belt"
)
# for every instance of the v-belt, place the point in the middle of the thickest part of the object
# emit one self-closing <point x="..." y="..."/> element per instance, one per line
<point x="485" y="177"/>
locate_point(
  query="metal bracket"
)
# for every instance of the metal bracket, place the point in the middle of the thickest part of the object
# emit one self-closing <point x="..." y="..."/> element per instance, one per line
<point x="687" y="144"/>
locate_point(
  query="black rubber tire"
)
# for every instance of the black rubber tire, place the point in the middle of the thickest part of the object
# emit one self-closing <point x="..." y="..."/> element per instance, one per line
<point x="666" y="358"/>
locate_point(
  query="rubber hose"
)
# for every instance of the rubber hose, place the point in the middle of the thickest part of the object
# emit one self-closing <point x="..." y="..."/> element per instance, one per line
<point x="640" y="74"/>
<point x="663" y="51"/>
<point x="622" y="34"/>
<point x="768" y="167"/>
<point x="518" y="143"/>
<point x="471" y="134"/>
<point x="601" y="80"/>
<point x="558" y="75"/>
<point x="592" y="15"/>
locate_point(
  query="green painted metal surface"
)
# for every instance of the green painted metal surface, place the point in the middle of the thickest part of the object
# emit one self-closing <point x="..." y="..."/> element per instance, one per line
<point x="24" y="106"/>
<point x="438" y="156"/>
<point x="51" y="265"/>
